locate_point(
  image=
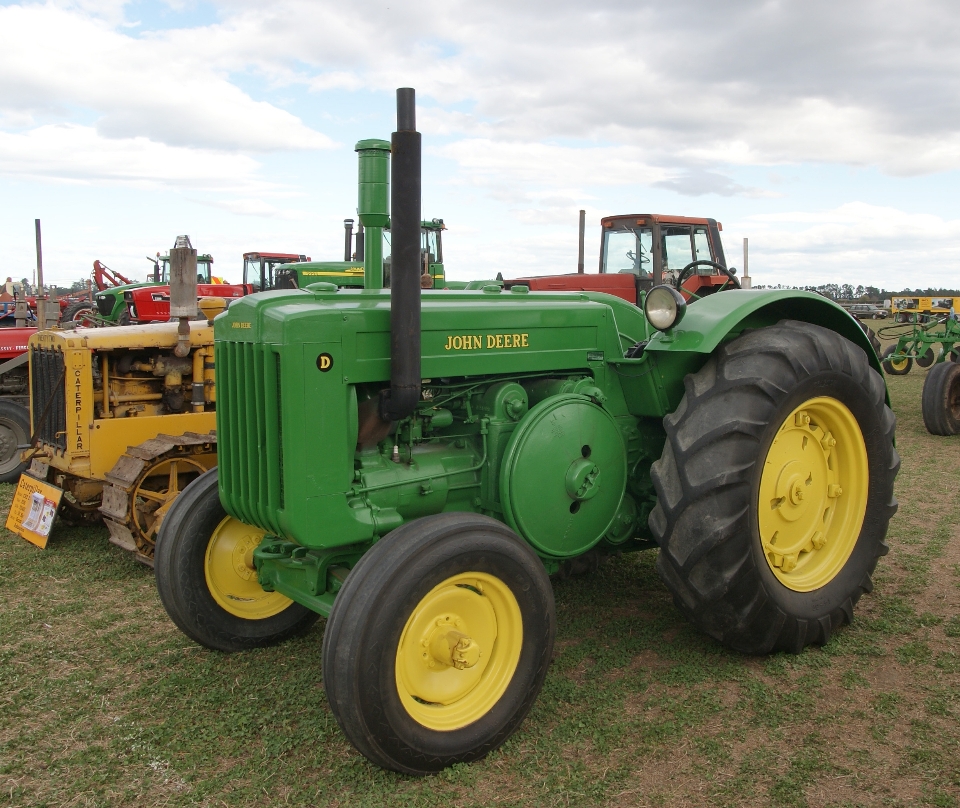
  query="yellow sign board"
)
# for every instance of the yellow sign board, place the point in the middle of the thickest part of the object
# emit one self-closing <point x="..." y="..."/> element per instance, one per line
<point x="33" y="510"/>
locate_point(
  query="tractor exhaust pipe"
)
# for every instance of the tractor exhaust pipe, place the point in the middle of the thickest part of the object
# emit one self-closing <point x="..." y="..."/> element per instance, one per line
<point x="347" y="239"/>
<point x="401" y="399"/>
<point x="183" y="291"/>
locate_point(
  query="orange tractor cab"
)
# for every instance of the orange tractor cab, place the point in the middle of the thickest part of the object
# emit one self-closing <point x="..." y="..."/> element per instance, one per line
<point x="640" y="251"/>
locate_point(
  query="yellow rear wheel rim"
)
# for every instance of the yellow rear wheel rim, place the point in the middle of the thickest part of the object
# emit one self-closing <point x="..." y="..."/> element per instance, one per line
<point x="899" y="364"/>
<point x="231" y="575"/>
<point x="813" y="494"/>
<point x="459" y="651"/>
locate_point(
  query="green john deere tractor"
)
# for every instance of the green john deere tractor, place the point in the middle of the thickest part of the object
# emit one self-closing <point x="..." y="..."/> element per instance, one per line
<point x="111" y="308"/>
<point x="414" y="465"/>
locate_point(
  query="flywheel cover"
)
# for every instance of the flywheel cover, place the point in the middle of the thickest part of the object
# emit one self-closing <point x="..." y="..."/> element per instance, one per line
<point x="563" y="475"/>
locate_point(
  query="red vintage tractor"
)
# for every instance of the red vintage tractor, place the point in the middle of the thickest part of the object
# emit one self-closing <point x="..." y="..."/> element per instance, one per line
<point x="151" y="304"/>
<point x="640" y="251"/>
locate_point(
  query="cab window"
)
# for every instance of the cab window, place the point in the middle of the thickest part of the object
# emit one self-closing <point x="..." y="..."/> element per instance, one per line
<point x="628" y="251"/>
<point x="677" y="248"/>
<point x="253" y="273"/>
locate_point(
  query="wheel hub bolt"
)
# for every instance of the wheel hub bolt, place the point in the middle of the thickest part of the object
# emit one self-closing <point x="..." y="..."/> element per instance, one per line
<point x="834" y="490"/>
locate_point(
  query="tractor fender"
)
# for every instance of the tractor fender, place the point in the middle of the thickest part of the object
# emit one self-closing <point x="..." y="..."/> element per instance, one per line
<point x="720" y="316"/>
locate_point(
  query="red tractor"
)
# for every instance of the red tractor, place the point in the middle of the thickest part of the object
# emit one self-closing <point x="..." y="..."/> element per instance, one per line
<point x="640" y="251"/>
<point x="151" y="304"/>
<point x="14" y="401"/>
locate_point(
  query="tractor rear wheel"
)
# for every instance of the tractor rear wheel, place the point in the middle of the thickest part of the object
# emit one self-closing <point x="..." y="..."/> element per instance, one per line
<point x="940" y="402"/>
<point x="82" y="312"/>
<point x="14" y="432"/>
<point x="206" y="578"/>
<point x="438" y="642"/>
<point x="898" y="367"/>
<point x="775" y="488"/>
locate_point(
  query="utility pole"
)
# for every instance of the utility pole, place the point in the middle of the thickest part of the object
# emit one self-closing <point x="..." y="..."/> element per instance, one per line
<point x="48" y="311"/>
<point x="583" y="226"/>
<point x="745" y="281"/>
<point x="39" y="261"/>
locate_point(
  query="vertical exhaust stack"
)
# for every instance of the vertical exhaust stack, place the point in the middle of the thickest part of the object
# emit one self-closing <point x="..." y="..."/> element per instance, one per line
<point x="347" y="239"/>
<point x="404" y="393"/>
<point x="183" y="291"/>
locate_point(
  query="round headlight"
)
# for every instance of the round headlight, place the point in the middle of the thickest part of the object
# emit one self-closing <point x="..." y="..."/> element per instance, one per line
<point x="664" y="307"/>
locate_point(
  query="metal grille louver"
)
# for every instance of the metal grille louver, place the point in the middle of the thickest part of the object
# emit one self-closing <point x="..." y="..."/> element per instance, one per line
<point x="49" y="396"/>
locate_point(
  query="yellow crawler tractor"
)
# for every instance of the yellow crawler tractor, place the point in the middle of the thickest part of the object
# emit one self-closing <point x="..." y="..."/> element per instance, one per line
<point x="122" y="419"/>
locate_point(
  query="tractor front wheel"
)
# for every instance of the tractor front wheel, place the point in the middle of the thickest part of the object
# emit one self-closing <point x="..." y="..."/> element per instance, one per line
<point x="775" y="488"/>
<point x="940" y="401"/>
<point x="206" y="579"/>
<point x="438" y="642"/>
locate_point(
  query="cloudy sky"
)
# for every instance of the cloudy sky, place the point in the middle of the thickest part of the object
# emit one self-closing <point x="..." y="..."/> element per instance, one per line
<point x="826" y="132"/>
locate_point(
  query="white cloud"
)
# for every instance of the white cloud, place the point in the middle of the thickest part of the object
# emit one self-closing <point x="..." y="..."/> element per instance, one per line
<point x="166" y="87"/>
<point x="853" y="243"/>
<point x="73" y="153"/>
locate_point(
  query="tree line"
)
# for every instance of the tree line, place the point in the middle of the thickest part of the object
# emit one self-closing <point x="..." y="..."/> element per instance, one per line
<point x="863" y="294"/>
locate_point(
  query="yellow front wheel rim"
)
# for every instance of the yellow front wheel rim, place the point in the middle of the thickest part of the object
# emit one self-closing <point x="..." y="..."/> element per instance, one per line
<point x="898" y="364"/>
<point x="813" y="494"/>
<point x="231" y="575"/>
<point x="459" y="651"/>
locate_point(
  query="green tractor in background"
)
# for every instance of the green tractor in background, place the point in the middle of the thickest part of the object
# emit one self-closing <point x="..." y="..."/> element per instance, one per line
<point x="413" y="465"/>
<point x="110" y="306"/>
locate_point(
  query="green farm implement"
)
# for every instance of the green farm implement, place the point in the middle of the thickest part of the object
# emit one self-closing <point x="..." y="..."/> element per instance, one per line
<point x="412" y="464"/>
<point x="930" y="339"/>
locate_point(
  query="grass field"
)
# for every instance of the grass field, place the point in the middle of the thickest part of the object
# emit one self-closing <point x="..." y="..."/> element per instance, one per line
<point x="106" y="703"/>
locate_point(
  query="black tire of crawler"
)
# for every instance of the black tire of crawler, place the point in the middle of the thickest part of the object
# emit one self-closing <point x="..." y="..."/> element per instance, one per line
<point x="888" y="367"/>
<point x="179" y="569"/>
<point x="940" y="401"/>
<point x="15" y="431"/>
<point x="363" y="633"/>
<point x="708" y="478"/>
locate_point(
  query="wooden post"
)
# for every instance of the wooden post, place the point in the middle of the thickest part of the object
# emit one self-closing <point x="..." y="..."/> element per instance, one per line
<point x="745" y="281"/>
<point x="39" y="261"/>
<point x="583" y="227"/>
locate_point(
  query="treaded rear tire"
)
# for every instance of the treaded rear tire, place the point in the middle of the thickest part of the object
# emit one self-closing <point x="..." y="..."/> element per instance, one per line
<point x="940" y="401"/>
<point x="363" y="634"/>
<point x="15" y="423"/>
<point x="707" y="483"/>
<point x="181" y="581"/>
<point x="70" y="312"/>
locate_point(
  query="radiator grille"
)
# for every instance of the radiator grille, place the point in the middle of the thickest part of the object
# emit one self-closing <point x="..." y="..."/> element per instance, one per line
<point x="248" y="433"/>
<point x="105" y="304"/>
<point x="49" y="413"/>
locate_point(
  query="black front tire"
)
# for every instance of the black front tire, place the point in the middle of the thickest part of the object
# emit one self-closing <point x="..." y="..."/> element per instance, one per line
<point x="179" y="566"/>
<point x="708" y="480"/>
<point x="384" y="592"/>
<point x="940" y="401"/>
<point x="14" y="432"/>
